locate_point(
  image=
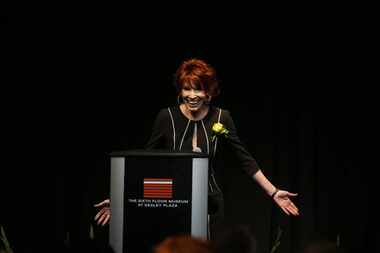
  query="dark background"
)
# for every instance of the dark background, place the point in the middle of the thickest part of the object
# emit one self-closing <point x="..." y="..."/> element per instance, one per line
<point x="78" y="84"/>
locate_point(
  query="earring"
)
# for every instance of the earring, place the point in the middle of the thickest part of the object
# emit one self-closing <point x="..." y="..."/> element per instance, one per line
<point x="208" y="101"/>
<point x="179" y="99"/>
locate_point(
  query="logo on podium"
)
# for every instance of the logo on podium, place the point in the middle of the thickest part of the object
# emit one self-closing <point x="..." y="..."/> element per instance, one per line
<point x="161" y="188"/>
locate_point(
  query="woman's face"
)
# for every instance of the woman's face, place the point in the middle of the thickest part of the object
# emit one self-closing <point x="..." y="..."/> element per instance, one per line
<point x="193" y="98"/>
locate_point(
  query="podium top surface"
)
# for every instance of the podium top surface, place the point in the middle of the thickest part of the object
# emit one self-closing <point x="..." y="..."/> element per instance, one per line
<point x="161" y="153"/>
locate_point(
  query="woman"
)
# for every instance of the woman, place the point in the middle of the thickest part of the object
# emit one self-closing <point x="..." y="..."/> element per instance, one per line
<point x="196" y="126"/>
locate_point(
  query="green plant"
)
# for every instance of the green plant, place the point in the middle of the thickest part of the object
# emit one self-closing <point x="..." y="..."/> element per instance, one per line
<point x="5" y="241"/>
<point x="67" y="241"/>
<point x="277" y="241"/>
<point x="338" y="240"/>
<point x="91" y="233"/>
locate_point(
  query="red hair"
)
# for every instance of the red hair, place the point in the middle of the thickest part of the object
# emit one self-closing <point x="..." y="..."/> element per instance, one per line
<point x="199" y="75"/>
<point x="183" y="244"/>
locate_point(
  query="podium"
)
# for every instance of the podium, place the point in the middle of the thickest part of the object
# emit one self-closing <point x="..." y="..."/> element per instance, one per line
<point x="156" y="194"/>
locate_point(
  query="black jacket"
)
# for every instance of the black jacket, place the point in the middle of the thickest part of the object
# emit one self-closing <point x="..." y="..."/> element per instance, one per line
<point x="172" y="130"/>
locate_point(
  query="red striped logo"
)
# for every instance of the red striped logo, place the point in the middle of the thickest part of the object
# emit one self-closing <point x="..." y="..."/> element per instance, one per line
<point x="158" y="188"/>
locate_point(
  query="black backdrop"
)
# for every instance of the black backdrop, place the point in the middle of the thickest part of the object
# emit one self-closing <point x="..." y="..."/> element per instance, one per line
<point x="84" y="84"/>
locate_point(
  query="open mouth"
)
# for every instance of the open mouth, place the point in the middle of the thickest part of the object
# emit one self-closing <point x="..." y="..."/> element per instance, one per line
<point x="193" y="102"/>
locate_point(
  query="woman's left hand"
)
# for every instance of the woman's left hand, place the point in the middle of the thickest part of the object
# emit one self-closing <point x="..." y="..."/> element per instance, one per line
<point x="282" y="198"/>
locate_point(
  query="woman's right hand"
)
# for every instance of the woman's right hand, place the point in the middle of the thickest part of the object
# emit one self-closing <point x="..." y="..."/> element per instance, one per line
<point x="104" y="215"/>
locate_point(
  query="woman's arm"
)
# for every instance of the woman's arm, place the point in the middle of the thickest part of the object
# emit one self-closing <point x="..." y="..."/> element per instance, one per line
<point x="265" y="184"/>
<point x="249" y="165"/>
<point x="246" y="161"/>
<point x="281" y="197"/>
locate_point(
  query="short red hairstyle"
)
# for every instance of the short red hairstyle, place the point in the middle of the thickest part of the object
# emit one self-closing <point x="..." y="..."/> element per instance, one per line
<point x="199" y="75"/>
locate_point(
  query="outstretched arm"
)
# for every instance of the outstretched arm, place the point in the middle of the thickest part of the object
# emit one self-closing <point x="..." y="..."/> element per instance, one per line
<point x="281" y="197"/>
<point x="250" y="166"/>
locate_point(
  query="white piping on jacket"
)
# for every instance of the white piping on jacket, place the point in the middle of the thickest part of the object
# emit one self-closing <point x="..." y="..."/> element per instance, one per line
<point x="183" y="136"/>
<point x="171" y="117"/>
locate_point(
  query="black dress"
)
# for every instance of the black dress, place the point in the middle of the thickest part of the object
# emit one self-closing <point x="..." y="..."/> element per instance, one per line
<point x="172" y="130"/>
